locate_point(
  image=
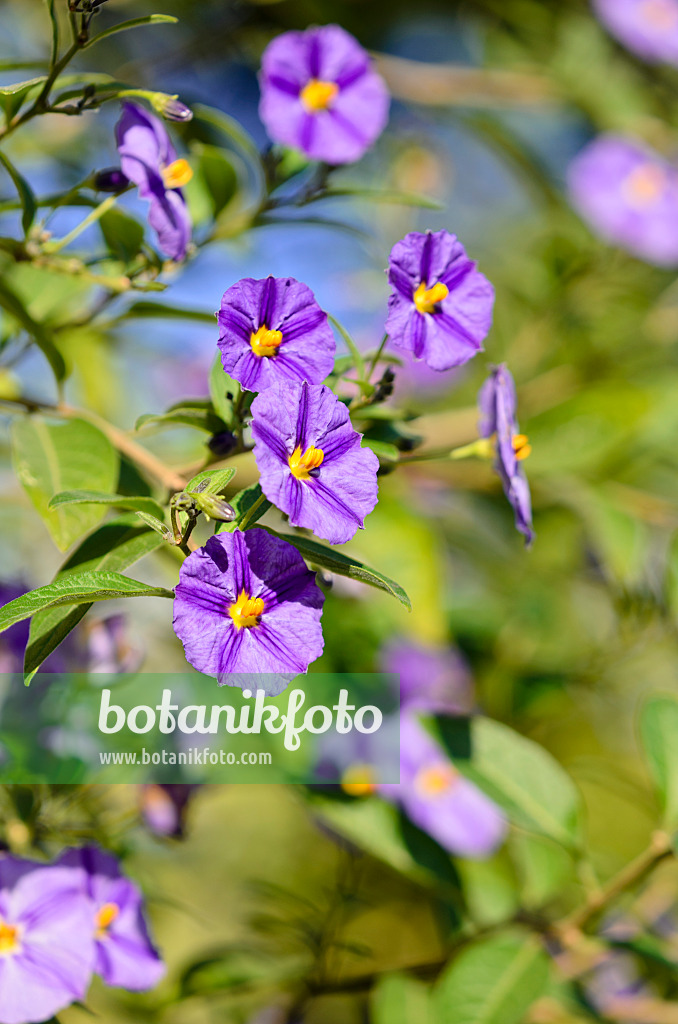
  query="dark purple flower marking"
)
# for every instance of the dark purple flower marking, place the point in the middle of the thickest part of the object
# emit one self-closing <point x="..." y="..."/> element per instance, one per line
<point x="497" y="405"/>
<point x="647" y="27"/>
<point x="148" y="158"/>
<point x="629" y="195"/>
<point x="311" y="461"/>
<point x="124" y="954"/>
<point x="440" y="307"/>
<point x="246" y="603"/>
<point x="46" y="943"/>
<point x="272" y="331"/>
<point x="320" y="94"/>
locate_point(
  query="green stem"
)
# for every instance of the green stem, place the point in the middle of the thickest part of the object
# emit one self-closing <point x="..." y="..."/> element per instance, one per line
<point x="377" y="356"/>
<point x="247" y="517"/>
<point x="91" y="218"/>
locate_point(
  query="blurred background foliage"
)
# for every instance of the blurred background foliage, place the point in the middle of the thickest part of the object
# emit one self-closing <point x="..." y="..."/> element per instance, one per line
<point x="492" y="98"/>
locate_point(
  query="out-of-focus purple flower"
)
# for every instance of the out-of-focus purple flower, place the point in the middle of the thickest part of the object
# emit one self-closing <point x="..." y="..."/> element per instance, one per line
<point x="311" y="462"/>
<point x="46" y="943"/>
<point x="320" y="94"/>
<point x="108" y="646"/>
<point x="149" y="159"/>
<point x="614" y="982"/>
<point x="272" y="331"/>
<point x="647" y="27"/>
<point x="433" y="680"/>
<point x="629" y="195"/>
<point x="440" y="307"/>
<point x="497" y="405"/>
<point x="124" y="954"/>
<point x="164" y="807"/>
<point x="439" y="800"/>
<point x="246" y="603"/>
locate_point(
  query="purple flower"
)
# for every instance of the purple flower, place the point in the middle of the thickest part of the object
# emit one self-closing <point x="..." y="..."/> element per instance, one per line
<point x="46" y="944"/>
<point x="164" y="807"/>
<point x="310" y="460"/>
<point x="440" y="308"/>
<point x="439" y="800"/>
<point x="149" y="159"/>
<point x="319" y="94"/>
<point x="124" y="954"/>
<point x="246" y="603"/>
<point x="647" y="27"/>
<point x="272" y="331"/>
<point x="108" y="646"/>
<point x="433" y="680"/>
<point x="497" y="404"/>
<point x="629" y="195"/>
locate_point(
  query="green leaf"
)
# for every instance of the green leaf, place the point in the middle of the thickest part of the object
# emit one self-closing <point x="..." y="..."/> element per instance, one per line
<point x="494" y="981"/>
<point x="242" y="503"/>
<point x="659" y="737"/>
<point x="54" y="456"/>
<point x="358" y="360"/>
<point x="400" y="999"/>
<point x="116" y="545"/>
<point x="24" y="191"/>
<point x="76" y="588"/>
<point x="210" y="481"/>
<point x="123" y="235"/>
<point x="384" y="451"/>
<point x="125" y="26"/>
<point x="198" y="413"/>
<point x="12" y="96"/>
<point x="13" y="305"/>
<point x="221" y="386"/>
<point x="375" y="195"/>
<point x="145" y="310"/>
<point x="219" y="176"/>
<point x="140" y="502"/>
<point x="231" y="130"/>
<point x="524" y="779"/>
<point x="344" y="565"/>
<point x="157" y="525"/>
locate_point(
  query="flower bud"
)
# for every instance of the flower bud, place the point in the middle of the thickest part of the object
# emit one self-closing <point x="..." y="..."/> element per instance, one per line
<point x="222" y="444"/>
<point x="215" y="507"/>
<point x="110" y="180"/>
<point x="171" y="107"/>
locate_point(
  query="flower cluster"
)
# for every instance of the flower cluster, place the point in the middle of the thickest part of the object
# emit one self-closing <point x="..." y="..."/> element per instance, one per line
<point x="63" y="922"/>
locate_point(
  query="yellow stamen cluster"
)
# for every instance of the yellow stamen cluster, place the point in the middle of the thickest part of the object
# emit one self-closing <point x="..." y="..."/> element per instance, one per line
<point x="436" y="780"/>
<point x="662" y="14"/>
<point x="177" y="174"/>
<point x="246" y="611"/>
<point x="318" y="95"/>
<point x="105" y="916"/>
<point x="645" y="185"/>
<point x="9" y="938"/>
<point x="521" y="446"/>
<point x="426" y="299"/>
<point x="265" y="342"/>
<point x="358" y="780"/>
<point x="301" y="465"/>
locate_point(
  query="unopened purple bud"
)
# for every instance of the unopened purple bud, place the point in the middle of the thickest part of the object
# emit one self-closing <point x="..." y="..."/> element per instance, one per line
<point x="110" y="180"/>
<point x="222" y="444"/>
<point x="171" y="107"/>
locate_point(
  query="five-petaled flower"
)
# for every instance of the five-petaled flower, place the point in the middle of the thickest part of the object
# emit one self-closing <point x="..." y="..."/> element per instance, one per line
<point x="647" y="27"/>
<point x="320" y="94"/>
<point x="124" y="954"/>
<point x="439" y="800"/>
<point x="273" y="330"/>
<point x="629" y="194"/>
<point x="311" y="461"/>
<point x="46" y="941"/>
<point x="149" y="159"/>
<point x="498" y="423"/>
<point x="246" y="603"/>
<point x="440" y="308"/>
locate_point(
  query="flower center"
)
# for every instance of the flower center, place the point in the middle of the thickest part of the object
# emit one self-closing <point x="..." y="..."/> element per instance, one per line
<point x="436" y="780"/>
<point x="426" y="299"/>
<point x="645" y="185"/>
<point x="521" y="446"/>
<point x="9" y="939"/>
<point x="177" y="174"/>
<point x="318" y="95"/>
<point x="302" y="466"/>
<point x="358" y="780"/>
<point x="104" y="918"/>
<point x="662" y="14"/>
<point x="265" y="342"/>
<point x="246" y="611"/>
